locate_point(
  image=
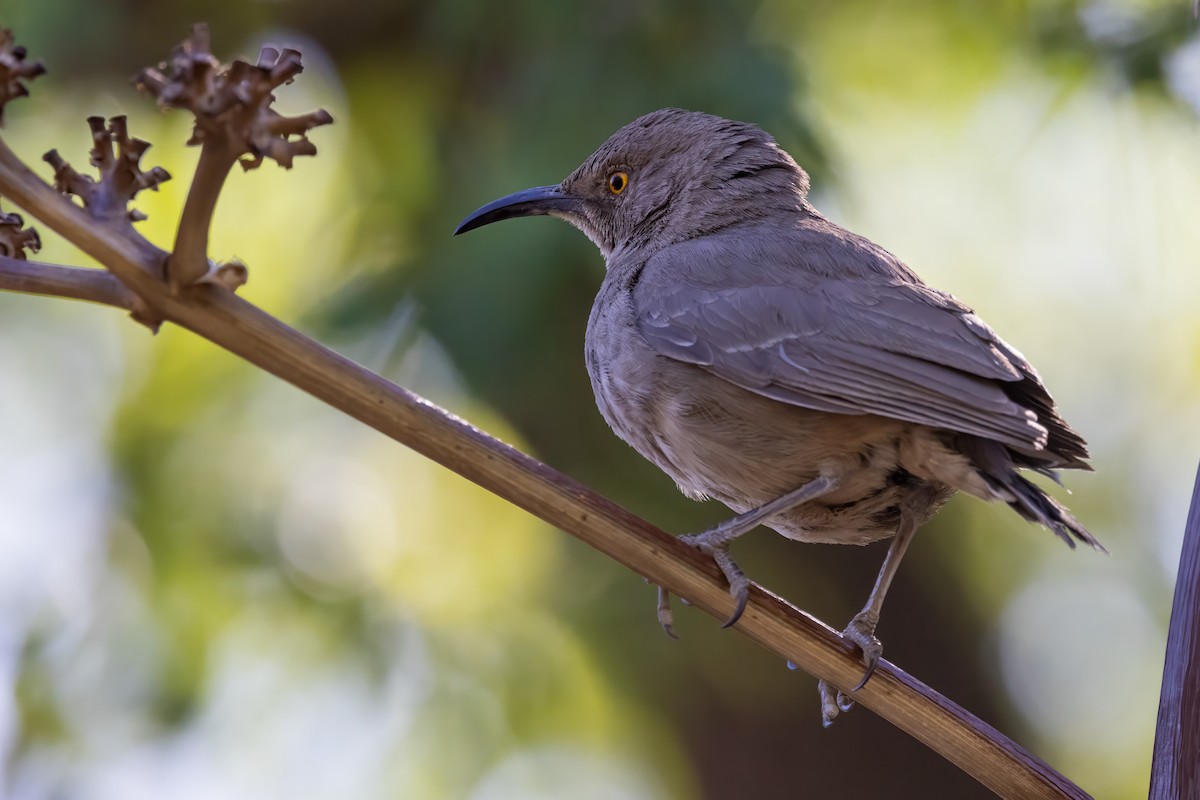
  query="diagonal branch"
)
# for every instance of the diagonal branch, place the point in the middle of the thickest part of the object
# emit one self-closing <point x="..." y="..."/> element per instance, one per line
<point x="243" y="329"/>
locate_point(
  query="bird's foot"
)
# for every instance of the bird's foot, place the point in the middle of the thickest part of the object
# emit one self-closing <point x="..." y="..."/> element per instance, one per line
<point x="833" y="702"/>
<point x="715" y="542"/>
<point x="861" y="631"/>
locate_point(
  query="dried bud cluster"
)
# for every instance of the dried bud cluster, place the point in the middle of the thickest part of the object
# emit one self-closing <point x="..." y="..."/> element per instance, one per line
<point x="14" y="70"/>
<point x="232" y="106"/>
<point x="15" y="238"/>
<point x="117" y="158"/>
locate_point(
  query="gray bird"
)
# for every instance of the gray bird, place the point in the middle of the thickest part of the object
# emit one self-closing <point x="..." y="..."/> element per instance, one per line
<point x="802" y="375"/>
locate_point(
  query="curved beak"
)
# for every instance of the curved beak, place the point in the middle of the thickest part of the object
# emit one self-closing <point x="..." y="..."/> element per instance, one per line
<point x="527" y="203"/>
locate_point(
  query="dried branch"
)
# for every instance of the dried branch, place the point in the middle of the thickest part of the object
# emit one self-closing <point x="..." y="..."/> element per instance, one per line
<point x="15" y="238"/>
<point x="192" y="80"/>
<point x="1175" y="772"/>
<point x="117" y="158"/>
<point x="93" y="285"/>
<point x="14" y="70"/>
<point x="234" y="121"/>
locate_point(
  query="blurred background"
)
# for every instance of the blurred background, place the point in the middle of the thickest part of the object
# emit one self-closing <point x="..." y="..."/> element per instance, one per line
<point x="213" y="586"/>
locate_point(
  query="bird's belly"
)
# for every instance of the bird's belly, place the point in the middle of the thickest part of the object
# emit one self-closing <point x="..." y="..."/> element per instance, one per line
<point x="721" y="441"/>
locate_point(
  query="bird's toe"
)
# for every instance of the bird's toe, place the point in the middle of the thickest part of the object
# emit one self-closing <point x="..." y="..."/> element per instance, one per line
<point x="666" y="618"/>
<point x="739" y="584"/>
<point x="833" y="703"/>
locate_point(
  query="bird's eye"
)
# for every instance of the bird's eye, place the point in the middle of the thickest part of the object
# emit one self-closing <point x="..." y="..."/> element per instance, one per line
<point x="617" y="182"/>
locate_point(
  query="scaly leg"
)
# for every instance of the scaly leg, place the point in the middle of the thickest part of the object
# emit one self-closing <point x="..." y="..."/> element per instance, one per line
<point x="861" y="629"/>
<point x="716" y="540"/>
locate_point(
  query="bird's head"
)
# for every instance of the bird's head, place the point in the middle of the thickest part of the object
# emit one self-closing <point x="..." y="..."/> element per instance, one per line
<point x="668" y="176"/>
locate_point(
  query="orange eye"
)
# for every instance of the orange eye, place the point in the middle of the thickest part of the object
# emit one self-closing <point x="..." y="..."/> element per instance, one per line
<point x="617" y="182"/>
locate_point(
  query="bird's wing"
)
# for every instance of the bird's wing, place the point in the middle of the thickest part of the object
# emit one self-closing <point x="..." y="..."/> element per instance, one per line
<point x="874" y="342"/>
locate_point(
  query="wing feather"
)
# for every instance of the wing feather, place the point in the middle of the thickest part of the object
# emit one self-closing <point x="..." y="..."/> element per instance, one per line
<point x="853" y="341"/>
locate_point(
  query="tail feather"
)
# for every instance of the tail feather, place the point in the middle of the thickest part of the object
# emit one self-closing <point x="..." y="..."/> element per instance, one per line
<point x="1036" y="506"/>
<point x="998" y="466"/>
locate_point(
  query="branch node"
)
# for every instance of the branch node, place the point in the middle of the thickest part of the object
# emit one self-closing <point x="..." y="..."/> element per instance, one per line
<point x="231" y="274"/>
<point x="141" y="313"/>
<point x="14" y="70"/>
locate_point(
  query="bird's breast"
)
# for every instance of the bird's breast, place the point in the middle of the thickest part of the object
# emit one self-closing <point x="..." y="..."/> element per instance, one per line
<point x="624" y="375"/>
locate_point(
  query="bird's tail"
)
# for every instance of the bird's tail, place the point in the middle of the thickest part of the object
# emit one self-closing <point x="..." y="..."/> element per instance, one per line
<point x="1036" y="506"/>
<point x="997" y="466"/>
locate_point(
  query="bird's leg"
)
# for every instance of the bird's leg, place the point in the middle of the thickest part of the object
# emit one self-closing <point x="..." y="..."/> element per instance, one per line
<point x="861" y="629"/>
<point x="716" y="540"/>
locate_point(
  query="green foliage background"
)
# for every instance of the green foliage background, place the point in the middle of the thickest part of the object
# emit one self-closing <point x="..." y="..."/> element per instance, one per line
<point x="213" y="586"/>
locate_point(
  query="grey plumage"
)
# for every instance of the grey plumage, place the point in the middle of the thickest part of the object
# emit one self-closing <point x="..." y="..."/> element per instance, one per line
<point x="745" y="305"/>
<point x="749" y="346"/>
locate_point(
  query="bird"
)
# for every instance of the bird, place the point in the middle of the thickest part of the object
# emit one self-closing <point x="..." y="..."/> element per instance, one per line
<point x="763" y="356"/>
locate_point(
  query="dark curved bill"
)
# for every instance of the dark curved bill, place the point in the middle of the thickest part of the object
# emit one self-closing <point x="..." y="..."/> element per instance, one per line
<point x="527" y="203"/>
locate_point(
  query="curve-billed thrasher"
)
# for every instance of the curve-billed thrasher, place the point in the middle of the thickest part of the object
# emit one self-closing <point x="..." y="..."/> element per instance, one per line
<point x="800" y="374"/>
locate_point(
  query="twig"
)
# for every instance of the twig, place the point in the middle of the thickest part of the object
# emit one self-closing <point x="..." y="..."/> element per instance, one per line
<point x="93" y="285"/>
<point x="189" y="261"/>
<point x="1175" y="772"/>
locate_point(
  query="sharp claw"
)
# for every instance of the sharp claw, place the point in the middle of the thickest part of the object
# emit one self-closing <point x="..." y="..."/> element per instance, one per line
<point x="739" y="584"/>
<point x="844" y="702"/>
<point x="861" y="631"/>
<point x="871" y="665"/>
<point x="665" y="618"/>
<point x="743" y="596"/>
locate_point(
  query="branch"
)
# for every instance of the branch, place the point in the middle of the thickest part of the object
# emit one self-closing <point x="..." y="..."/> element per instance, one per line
<point x="17" y="274"/>
<point x="242" y="329"/>
<point x="93" y="285"/>
<point x="1175" y="773"/>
